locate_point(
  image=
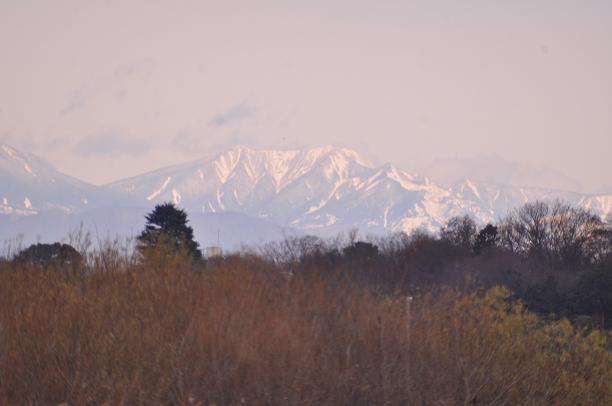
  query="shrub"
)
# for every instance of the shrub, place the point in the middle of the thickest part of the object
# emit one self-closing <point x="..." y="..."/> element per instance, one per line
<point x="246" y="331"/>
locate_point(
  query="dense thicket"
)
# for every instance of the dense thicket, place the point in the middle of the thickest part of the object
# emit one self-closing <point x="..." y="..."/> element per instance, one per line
<point x="398" y="320"/>
<point x="245" y="331"/>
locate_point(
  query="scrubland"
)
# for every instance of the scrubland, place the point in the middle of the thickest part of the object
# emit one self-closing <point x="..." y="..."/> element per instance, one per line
<point x="271" y="329"/>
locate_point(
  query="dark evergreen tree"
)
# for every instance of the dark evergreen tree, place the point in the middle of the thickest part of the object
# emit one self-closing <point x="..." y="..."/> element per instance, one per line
<point x="361" y="250"/>
<point x="168" y="223"/>
<point x="594" y="294"/>
<point x="486" y="239"/>
<point x="48" y="255"/>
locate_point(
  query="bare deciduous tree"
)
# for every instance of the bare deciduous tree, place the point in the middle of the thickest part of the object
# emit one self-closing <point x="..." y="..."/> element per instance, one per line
<point x="460" y="231"/>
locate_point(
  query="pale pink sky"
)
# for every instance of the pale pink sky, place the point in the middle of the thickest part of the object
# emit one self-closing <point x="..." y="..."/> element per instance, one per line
<point x="107" y="89"/>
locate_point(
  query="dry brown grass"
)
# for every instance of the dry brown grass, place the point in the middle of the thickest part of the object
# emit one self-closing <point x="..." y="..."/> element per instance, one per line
<point x="244" y="332"/>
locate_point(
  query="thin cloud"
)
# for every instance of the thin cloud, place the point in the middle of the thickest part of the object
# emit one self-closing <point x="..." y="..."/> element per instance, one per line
<point x="234" y="114"/>
<point x="194" y="142"/>
<point x="111" y="143"/>
<point x="22" y="142"/>
<point x="189" y="141"/>
<point x="132" y="69"/>
<point x="79" y="98"/>
<point x="222" y="129"/>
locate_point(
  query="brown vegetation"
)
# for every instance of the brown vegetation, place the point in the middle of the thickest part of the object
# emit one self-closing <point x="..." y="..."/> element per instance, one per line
<point x="252" y="331"/>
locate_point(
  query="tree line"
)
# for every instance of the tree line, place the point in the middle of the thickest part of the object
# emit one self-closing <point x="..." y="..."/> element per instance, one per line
<point x="400" y="319"/>
<point x="555" y="257"/>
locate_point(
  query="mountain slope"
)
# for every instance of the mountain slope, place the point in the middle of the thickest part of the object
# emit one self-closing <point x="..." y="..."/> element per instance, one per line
<point x="326" y="190"/>
<point x="254" y="196"/>
<point x="229" y="230"/>
<point x="29" y="185"/>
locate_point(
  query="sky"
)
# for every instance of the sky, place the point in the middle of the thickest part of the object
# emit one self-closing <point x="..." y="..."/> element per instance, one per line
<point x="109" y="89"/>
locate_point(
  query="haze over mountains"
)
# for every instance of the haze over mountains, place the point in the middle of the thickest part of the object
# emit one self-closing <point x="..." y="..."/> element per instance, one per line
<point x="494" y="169"/>
<point x="252" y="196"/>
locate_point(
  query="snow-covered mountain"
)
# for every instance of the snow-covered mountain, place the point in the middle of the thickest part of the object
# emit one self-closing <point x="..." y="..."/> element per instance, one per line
<point x="326" y="190"/>
<point x="29" y="185"/>
<point x="254" y="196"/>
<point x="39" y="203"/>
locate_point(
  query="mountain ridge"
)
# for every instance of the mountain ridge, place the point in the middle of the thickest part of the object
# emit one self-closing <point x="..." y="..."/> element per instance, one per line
<point x="330" y="187"/>
<point x="322" y="190"/>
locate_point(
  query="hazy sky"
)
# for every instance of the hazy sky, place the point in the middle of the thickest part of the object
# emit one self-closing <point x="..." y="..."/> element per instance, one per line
<point x="106" y="89"/>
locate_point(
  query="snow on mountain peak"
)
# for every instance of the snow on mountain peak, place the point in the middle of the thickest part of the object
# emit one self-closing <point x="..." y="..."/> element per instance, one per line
<point x="281" y="166"/>
<point x="28" y="165"/>
<point x="467" y="184"/>
<point x="225" y="164"/>
<point x="327" y="189"/>
<point x="30" y="184"/>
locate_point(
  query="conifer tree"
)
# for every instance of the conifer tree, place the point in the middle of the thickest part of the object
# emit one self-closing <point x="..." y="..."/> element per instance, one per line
<point x="486" y="239"/>
<point x="168" y="223"/>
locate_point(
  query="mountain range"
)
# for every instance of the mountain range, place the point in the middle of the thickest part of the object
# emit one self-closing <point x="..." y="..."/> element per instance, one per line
<point x="247" y="196"/>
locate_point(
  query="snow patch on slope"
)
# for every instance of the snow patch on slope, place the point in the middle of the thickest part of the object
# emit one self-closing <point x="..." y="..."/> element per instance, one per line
<point x="332" y="189"/>
<point x="160" y="190"/>
<point x="176" y="197"/>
